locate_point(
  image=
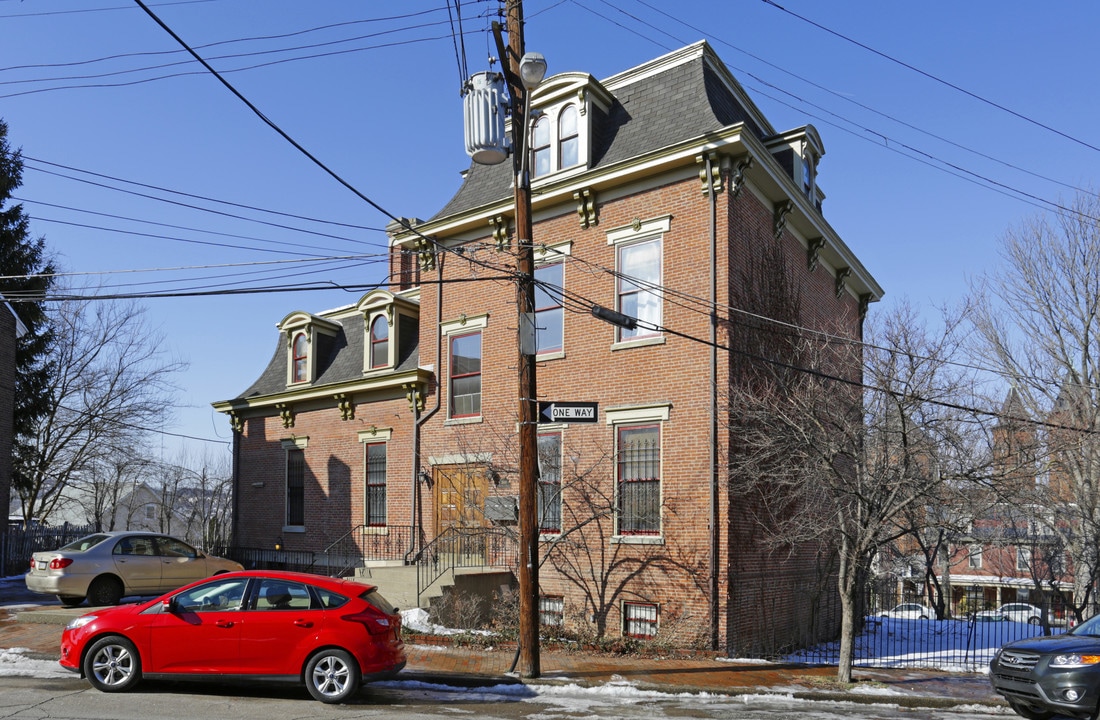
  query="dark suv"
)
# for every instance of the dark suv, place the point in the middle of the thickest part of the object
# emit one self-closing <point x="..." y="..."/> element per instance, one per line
<point x="1056" y="675"/>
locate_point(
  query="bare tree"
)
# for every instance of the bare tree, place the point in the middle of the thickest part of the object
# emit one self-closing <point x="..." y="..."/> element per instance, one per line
<point x="851" y="461"/>
<point x="109" y="385"/>
<point x="1038" y="322"/>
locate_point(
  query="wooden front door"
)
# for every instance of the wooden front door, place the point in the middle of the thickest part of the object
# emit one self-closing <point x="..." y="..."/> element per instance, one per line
<point x="460" y="492"/>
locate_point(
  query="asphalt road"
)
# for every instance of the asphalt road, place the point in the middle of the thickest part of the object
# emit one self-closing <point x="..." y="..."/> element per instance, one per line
<point x="72" y="698"/>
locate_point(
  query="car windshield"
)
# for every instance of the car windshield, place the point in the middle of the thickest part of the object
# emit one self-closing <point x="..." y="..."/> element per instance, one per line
<point x="85" y="543"/>
<point x="1090" y="627"/>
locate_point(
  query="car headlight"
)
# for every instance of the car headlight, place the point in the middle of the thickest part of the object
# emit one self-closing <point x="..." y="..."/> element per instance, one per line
<point x="80" y="622"/>
<point x="1074" y="660"/>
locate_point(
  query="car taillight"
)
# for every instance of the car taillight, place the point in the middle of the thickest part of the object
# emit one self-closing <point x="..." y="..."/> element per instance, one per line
<point x="58" y="563"/>
<point x="376" y="623"/>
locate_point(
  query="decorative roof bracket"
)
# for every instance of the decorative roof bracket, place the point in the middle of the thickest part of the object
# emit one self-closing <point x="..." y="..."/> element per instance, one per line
<point x="864" y="305"/>
<point x="347" y="407"/>
<point x="842" y="275"/>
<point x="737" y="179"/>
<point x="586" y="207"/>
<point x="414" y="393"/>
<point x="286" y="413"/>
<point x="425" y="252"/>
<point x="813" y="251"/>
<point x="714" y="182"/>
<point x="782" y="210"/>
<point x="236" y="422"/>
<point x="500" y="232"/>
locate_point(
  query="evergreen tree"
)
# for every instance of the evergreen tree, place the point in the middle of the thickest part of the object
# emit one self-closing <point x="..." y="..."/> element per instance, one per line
<point x="26" y="275"/>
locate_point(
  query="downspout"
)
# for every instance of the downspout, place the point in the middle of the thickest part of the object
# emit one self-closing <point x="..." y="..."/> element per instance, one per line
<point x="419" y="419"/>
<point x="712" y="445"/>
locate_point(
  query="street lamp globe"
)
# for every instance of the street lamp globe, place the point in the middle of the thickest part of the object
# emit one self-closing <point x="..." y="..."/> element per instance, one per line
<point x="532" y="69"/>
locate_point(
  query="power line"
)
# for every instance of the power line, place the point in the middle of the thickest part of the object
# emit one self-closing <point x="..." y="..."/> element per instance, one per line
<point x="934" y="78"/>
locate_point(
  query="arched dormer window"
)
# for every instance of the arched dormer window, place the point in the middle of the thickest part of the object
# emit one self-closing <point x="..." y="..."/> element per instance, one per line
<point x="379" y="342"/>
<point x="540" y="147"/>
<point x="568" y="138"/>
<point x="301" y="358"/>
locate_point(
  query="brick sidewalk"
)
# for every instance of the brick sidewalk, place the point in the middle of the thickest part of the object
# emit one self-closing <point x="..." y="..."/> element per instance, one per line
<point x="477" y="666"/>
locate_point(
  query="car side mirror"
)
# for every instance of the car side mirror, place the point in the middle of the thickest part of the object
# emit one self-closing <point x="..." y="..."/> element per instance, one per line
<point x="169" y="605"/>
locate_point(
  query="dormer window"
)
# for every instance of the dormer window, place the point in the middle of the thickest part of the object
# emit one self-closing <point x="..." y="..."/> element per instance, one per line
<point x="380" y="342"/>
<point x="391" y="330"/>
<point x="540" y="147"/>
<point x="309" y="343"/>
<point x="301" y="358"/>
<point x="568" y="137"/>
<point x="555" y="141"/>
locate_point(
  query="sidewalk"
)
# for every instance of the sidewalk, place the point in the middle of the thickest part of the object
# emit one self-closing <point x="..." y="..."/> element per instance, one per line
<point x="38" y="630"/>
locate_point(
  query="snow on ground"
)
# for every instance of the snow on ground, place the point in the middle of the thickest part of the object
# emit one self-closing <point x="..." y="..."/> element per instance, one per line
<point x="951" y="645"/>
<point x="15" y="663"/>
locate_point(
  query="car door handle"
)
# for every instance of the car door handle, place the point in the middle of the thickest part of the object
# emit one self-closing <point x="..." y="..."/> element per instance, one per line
<point x="303" y="623"/>
<point x="224" y="623"/>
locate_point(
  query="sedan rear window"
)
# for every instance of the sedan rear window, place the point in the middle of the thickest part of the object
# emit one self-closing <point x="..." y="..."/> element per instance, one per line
<point x="85" y="543"/>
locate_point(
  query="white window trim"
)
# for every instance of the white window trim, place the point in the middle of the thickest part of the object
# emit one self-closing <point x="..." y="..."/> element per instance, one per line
<point x="370" y="437"/>
<point x="552" y="114"/>
<point x="637" y="232"/>
<point x="369" y="342"/>
<point x="292" y="443"/>
<point x="462" y="326"/>
<point x="640" y="415"/>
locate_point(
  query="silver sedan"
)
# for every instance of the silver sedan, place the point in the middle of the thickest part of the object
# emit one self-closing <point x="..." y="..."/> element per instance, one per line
<point x="105" y="567"/>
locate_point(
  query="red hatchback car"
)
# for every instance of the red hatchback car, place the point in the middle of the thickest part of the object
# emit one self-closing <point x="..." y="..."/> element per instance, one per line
<point x="330" y="633"/>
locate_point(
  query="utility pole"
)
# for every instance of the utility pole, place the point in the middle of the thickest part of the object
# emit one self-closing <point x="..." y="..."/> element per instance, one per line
<point x="525" y="304"/>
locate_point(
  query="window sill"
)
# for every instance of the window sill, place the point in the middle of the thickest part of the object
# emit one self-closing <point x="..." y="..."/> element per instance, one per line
<point x="640" y="342"/>
<point x="377" y="530"/>
<point x="637" y="540"/>
<point x="294" y="528"/>
<point x="462" y="421"/>
<point x="545" y="357"/>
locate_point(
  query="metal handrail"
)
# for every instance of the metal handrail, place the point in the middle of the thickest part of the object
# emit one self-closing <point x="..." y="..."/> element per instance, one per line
<point x="362" y="544"/>
<point x="458" y="547"/>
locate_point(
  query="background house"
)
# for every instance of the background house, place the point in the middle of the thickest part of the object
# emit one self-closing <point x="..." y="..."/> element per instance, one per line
<point x="660" y="193"/>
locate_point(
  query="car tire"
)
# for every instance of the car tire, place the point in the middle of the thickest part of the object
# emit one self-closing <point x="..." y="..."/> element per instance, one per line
<point x="104" y="591"/>
<point x="1027" y="712"/>
<point x="112" y="664"/>
<point x="70" y="600"/>
<point x="332" y="675"/>
<point x="1034" y="621"/>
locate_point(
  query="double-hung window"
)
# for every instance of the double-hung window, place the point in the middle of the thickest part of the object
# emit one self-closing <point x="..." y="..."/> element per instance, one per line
<point x="639" y="286"/>
<point x="540" y="147"/>
<point x="465" y="375"/>
<point x="569" y="141"/>
<point x="376" y="484"/>
<point x="549" y="314"/>
<point x="550" y="483"/>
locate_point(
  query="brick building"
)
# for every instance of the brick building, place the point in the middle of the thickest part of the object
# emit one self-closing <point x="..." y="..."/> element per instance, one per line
<point x="658" y="193"/>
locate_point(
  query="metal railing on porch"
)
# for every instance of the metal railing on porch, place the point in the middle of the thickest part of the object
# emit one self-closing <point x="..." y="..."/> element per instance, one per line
<point x="365" y="544"/>
<point x="464" y="548"/>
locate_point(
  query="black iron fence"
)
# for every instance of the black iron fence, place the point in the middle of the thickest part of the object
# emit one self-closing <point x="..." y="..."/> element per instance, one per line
<point x="20" y="542"/>
<point x="901" y="632"/>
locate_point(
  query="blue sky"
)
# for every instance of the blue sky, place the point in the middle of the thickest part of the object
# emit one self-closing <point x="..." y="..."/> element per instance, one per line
<point x="921" y="177"/>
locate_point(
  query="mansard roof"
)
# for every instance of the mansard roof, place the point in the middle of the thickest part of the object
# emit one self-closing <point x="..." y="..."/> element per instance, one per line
<point x="678" y="96"/>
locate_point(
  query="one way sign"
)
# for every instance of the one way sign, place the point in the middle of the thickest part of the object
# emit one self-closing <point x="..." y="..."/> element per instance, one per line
<point x="569" y="412"/>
